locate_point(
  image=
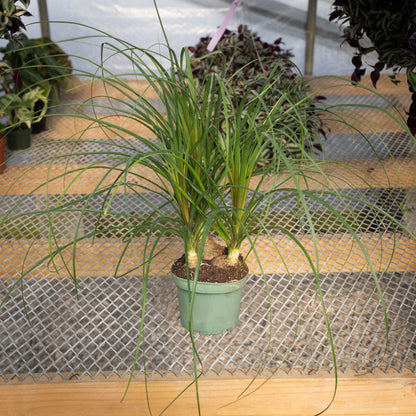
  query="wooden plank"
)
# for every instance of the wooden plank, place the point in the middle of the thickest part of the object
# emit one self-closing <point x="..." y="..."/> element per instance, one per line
<point x="85" y="89"/>
<point x="336" y="86"/>
<point x="323" y="176"/>
<point x="348" y="174"/>
<point x="337" y="253"/>
<point x="64" y="127"/>
<point x="305" y="396"/>
<point x="72" y="179"/>
<point x="364" y="121"/>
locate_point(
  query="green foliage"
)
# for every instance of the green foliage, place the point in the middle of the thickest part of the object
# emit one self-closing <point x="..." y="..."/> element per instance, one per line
<point x="37" y="61"/>
<point x="11" y="17"/>
<point x="387" y="27"/>
<point x="20" y="108"/>
<point x="30" y="70"/>
<point x="246" y="62"/>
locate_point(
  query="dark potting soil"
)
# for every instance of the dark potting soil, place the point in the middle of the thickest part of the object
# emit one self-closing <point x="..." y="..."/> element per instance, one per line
<point x="211" y="273"/>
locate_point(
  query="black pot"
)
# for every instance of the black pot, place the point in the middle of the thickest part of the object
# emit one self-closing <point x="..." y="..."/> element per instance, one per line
<point x="18" y="139"/>
<point x="40" y="125"/>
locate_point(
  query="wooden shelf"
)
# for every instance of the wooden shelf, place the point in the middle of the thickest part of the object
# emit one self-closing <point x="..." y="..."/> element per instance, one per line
<point x="358" y="396"/>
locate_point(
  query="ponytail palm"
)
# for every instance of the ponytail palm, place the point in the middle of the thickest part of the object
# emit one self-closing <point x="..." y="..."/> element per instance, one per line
<point x="241" y="146"/>
<point x="183" y="156"/>
<point x="202" y="156"/>
<point x="188" y="165"/>
<point x="243" y="143"/>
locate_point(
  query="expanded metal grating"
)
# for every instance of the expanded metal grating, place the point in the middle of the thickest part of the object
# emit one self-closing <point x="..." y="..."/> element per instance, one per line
<point x="97" y="333"/>
<point x="54" y="331"/>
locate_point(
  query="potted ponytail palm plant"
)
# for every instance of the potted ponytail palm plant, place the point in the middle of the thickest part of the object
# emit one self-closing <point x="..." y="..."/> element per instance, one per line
<point x="206" y="150"/>
<point x="204" y="164"/>
<point x="194" y="163"/>
<point x="218" y="272"/>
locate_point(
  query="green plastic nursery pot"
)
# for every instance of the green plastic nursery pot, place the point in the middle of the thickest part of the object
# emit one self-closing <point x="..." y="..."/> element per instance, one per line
<point x="216" y="305"/>
<point x="19" y="139"/>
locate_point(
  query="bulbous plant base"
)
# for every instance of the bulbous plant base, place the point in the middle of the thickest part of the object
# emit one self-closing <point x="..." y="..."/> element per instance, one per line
<point x="216" y="306"/>
<point x="19" y="139"/>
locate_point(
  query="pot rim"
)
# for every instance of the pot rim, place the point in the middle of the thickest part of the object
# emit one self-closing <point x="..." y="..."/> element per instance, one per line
<point x="210" y="287"/>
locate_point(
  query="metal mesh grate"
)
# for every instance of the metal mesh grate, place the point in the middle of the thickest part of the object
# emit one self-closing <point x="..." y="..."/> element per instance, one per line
<point x="95" y="332"/>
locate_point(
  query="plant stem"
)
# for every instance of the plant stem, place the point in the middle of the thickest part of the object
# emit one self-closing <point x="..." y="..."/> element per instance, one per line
<point x="233" y="256"/>
<point x="192" y="259"/>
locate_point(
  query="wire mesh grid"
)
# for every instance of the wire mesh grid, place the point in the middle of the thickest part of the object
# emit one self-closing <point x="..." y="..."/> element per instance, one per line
<point x="54" y="331"/>
<point x="96" y="333"/>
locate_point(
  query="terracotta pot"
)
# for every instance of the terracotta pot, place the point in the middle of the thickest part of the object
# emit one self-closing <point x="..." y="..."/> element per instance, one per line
<point x="2" y="148"/>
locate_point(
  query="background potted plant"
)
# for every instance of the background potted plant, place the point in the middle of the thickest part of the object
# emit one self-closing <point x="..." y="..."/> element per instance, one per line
<point x="246" y="62"/>
<point x="32" y="63"/>
<point x="387" y="28"/>
<point x="38" y="61"/>
<point x="35" y="62"/>
<point x="19" y="109"/>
